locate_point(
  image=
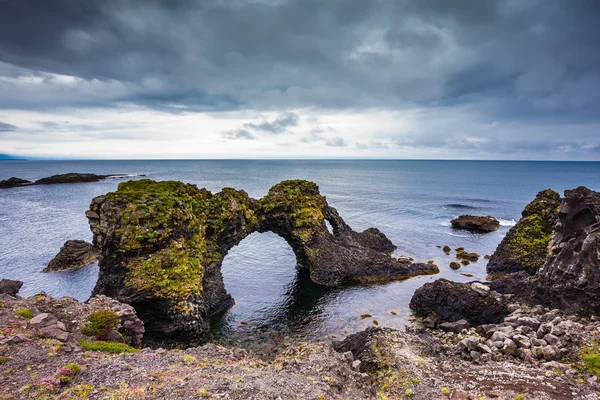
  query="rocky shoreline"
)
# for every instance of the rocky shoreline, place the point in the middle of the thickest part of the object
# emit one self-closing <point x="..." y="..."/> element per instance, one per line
<point x="57" y="179"/>
<point x="531" y="332"/>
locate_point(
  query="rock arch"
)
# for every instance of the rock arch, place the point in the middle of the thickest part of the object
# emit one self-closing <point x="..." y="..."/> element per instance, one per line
<point x="162" y="244"/>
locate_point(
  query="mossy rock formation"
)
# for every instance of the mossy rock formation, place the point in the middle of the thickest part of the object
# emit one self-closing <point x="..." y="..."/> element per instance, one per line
<point x="525" y="246"/>
<point x="570" y="278"/>
<point x="162" y="245"/>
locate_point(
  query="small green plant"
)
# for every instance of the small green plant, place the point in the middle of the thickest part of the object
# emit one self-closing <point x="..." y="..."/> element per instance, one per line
<point x="73" y="368"/>
<point x="108" y="347"/>
<point x="189" y="359"/>
<point x="519" y="397"/>
<point x="24" y="312"/>
<point x="445" y="391"/>
<point x="100" y="323"/>
<point x="415" y="381"/>
<point x="3" y="360"/>
<point x="408" y="392"/>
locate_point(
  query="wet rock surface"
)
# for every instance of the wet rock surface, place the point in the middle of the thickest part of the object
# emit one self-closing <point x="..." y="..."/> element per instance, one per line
<point x="73" y="254"/>
<point x="162" y="245"/>
<point x="476" y="223"/>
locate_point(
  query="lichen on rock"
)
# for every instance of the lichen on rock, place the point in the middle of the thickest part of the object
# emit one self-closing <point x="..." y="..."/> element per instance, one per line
<point x="162" y="245"/>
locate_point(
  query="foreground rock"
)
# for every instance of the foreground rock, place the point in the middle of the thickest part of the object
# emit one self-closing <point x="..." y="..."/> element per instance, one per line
<point x="450" y="302"/>
<point x="10" y="287"/>
<point x="57" y="179"/>
<point x="476" y="223"/>
<point x="40" y="359"/>
<point x="162" y="245"/>
<point x="37" y="360"/>
<point x="525" y="246"/>
<point x="434" y="365"/>
<point x="73" y="254"/>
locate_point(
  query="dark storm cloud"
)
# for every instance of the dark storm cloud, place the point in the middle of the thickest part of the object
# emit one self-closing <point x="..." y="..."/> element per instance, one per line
<point x="271" y="54"/>
<point x="535" y="62"/>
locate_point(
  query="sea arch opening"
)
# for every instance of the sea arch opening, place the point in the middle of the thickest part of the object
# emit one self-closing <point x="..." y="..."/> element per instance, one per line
<point x="257" y="273"/>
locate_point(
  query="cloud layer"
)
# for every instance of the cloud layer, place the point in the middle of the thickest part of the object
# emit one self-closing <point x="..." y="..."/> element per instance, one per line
<point x="495" y="77"/>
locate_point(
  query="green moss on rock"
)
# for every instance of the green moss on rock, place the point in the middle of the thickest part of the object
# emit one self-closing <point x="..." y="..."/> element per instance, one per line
<point x="525" y="246"/>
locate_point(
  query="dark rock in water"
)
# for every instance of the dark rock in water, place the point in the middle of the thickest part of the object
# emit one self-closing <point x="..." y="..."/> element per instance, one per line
<point x="453" y="301"/>
<point x="10" y="287"/>
<point x="570" y="278"/>
<point x="525" y="246"/>
<point x="162" y="245"/>
<point x="454" y="265"/>
<point x="70" y="178"/>
<point x="446" y="249"/>
<point x="73" y="254"/>
<point x="13" y="182"/>
<point x="476" y="223"/>
<point x="57" y="179"/>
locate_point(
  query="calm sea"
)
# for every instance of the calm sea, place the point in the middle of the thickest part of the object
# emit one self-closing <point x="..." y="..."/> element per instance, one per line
<point x="411" y="201"/>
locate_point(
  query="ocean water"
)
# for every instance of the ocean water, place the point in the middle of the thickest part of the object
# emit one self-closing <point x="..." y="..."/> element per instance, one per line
<point x="412" y="202"/>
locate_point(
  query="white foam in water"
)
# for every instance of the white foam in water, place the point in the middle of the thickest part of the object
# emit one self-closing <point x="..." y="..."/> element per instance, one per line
<point x="507" y="222"/>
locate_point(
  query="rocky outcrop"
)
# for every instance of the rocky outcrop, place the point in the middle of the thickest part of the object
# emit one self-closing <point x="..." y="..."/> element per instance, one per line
<point x="162" y="245"/>
<point x="10" y="287"/>
<point x="570" y="278"/>
<point x="525" y="246"/>
<point x="73" y="254"/>
<point x="476" y="223"/>
<point x="71" y="177"/>
<point x="446" y="301"/>
<point x="13" y="182"/>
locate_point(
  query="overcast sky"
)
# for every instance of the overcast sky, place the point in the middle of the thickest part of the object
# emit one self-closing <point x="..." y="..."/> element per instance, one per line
<point x="487" y="79"/>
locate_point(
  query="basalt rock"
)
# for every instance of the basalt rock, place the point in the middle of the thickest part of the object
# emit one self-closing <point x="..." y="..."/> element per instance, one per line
<point x="162" y="245"/>
<point x="453" y="301"/>
<point x="476" y="223"/>
<point x="525" y="246"/>
<point x="73" y="254"/>
<point x="10" y="287"/>
<point x="570" y="278"/>
<point x="71" y="177"/>
<point x="13" y="182"/>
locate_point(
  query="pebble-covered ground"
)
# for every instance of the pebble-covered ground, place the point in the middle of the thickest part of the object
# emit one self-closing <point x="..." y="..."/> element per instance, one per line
<point x="387" y="364"/>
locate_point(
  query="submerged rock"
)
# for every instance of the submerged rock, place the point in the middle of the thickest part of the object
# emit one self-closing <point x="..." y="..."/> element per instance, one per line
<point x="525" y="246"/>
<point x="73" y="254"/>
<point x="476" y="223"/>
<point x="453" y="301"/>
<point x="162" y="245"/>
